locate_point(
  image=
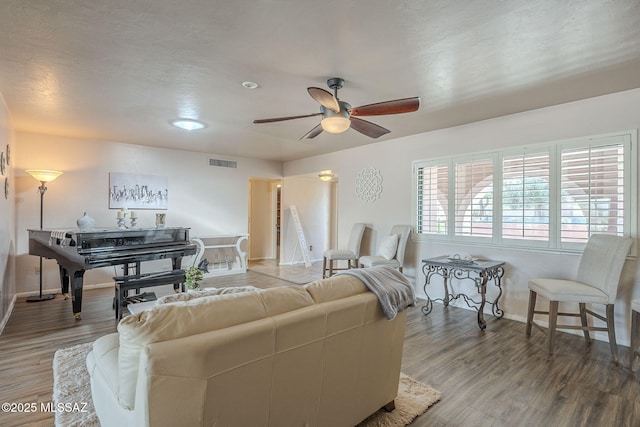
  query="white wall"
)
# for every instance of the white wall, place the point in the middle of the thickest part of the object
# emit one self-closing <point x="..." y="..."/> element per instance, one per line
<point x="210" y="200"/>
<point x="393" y="158"/>
<point x="7" y="218"/>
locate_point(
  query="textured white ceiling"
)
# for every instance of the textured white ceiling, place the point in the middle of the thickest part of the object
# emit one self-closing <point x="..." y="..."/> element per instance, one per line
<point x="121" y="70"/>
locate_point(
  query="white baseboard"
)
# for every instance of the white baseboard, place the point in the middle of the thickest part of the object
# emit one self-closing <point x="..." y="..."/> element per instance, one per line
<point x="602" y="336"/>
<point x="57" y="290"/>
<point x="7" y="315"/>
<point x="301" y="262"/>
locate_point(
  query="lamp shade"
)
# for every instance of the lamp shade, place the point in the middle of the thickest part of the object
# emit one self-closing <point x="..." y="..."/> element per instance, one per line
<point x="44" y="175"/>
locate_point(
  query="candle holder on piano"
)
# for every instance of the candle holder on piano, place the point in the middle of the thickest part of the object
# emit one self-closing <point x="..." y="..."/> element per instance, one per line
<point x="122" y="217"/>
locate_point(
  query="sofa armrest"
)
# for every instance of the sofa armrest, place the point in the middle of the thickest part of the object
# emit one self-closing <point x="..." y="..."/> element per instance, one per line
<point x="104" y="357"/>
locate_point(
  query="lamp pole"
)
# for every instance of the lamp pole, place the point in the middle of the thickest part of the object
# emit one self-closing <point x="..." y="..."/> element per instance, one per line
<point x="43" y="176"/>
<point x="42" y="189"/>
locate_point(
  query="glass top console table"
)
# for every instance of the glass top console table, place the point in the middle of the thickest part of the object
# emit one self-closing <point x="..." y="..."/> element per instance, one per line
<point x="480" y="272"/>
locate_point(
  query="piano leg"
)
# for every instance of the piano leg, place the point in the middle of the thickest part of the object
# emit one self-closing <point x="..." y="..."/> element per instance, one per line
<point x="64" y="281"/>
<point x="176" y="264"/>
<point x="76" y="293"/>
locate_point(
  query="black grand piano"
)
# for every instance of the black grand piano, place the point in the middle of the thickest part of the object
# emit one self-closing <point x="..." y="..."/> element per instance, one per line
<point x="77" y="251"/>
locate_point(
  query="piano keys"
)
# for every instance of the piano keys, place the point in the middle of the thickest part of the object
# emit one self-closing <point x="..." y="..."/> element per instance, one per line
<point x="77" y="251"/>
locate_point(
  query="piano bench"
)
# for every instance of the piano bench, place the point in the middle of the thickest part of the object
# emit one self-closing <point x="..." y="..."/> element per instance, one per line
<point x="137" y="281"/>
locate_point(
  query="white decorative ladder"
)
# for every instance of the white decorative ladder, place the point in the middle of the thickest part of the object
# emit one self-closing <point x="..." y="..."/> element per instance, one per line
<point x="301" y="240"/>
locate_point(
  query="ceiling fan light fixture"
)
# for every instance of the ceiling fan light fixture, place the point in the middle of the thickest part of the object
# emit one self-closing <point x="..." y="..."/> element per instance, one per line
<point x="335" y="124"/>
<point x="188" y="124"/>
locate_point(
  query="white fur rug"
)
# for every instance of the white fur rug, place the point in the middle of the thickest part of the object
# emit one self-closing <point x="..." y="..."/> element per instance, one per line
<point x="71" y="386"/>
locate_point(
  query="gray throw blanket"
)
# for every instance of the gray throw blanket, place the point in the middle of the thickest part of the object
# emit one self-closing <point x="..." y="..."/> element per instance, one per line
<point x="393" y="290"/>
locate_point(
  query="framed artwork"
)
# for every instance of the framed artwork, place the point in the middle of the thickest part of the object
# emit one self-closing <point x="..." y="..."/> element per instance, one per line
<point x="1" y="163"/>
<point x="134" y="191"/>
<point x="6" y="187"/>
<point x="7" y="155"/>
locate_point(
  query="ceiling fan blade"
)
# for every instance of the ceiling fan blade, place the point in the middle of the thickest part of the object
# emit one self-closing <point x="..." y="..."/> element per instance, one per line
<point x="280" y="119"/>
<point x="325" y="98"/>
<point x="397" y="106"/>
<point x="367" y="128"/>
<point x="313" y="132"/>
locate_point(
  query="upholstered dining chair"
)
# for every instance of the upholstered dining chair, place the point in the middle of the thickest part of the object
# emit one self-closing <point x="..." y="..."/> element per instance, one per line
<point x="350" y="254"/>
<point x="596" y="283"/>
<point x="390" y="250"/>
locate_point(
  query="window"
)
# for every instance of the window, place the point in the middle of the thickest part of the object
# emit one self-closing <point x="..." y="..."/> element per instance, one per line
<point x="552" y="195"/>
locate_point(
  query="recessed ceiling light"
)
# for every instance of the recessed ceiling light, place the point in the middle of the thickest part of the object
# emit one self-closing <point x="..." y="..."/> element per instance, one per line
<point x="188" y="124"/>
<point x="250" y="85"/>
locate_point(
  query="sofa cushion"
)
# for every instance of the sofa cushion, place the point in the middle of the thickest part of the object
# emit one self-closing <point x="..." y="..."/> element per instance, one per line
<point x="186" y="296"/>
<point x="335" y="287"/>
<point x="283" y="299"/>
<point x="180" y="319"/>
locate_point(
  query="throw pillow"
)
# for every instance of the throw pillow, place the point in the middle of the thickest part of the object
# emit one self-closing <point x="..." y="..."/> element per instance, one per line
<point x="388" y="247"/>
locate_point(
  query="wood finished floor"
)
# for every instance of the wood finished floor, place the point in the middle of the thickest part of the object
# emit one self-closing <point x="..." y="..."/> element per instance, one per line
<point x="495" y="378"/>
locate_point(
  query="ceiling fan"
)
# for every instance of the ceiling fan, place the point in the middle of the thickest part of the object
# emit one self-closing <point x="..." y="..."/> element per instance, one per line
<point x="338" y="116"/>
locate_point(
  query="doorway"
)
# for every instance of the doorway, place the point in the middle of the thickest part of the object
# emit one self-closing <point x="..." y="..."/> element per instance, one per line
<point x="265" y="196"/>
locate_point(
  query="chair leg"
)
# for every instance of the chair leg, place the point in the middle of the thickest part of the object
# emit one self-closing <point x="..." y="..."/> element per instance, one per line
<point x="532" y="306"/>
<point x="635" y="317"/>
<point x="583" y="319"/>
<point x="611" y="328"/>
<point x="553" y="321"/>
<point x="324" y="267"/>
<point x="330" y="267"/>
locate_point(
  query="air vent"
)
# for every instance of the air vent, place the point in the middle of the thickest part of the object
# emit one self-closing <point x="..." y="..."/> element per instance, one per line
<point x="223" y="163"/>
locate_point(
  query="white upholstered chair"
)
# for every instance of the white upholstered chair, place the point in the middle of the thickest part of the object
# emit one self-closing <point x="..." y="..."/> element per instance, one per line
<point x="596" y="283"/>
<point x="390" y="250"/>
<point x="350" y="255"/>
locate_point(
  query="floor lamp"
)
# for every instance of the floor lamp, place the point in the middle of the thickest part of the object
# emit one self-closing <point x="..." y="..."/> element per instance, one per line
<point x="43" y="177"/>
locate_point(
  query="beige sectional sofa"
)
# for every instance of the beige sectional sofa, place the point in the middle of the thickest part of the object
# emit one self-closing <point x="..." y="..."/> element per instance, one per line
<point x="323" y="354"/>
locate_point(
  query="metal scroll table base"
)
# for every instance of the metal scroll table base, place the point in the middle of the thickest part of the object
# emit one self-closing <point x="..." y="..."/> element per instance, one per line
<point x="482" y="271"/>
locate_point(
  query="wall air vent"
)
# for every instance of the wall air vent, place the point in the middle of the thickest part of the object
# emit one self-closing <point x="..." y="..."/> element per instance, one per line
<point x="223" y="163"/>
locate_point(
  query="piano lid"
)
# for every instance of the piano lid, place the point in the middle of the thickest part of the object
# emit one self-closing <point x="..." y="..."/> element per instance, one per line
<point x="113" y="239"/>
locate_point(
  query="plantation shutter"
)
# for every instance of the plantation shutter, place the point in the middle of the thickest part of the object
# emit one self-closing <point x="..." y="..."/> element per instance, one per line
<point x="432" y="198"/>
<point x="592" y="192"/>
<point x="474" y="198"/>
<point x="525" y="196"/>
